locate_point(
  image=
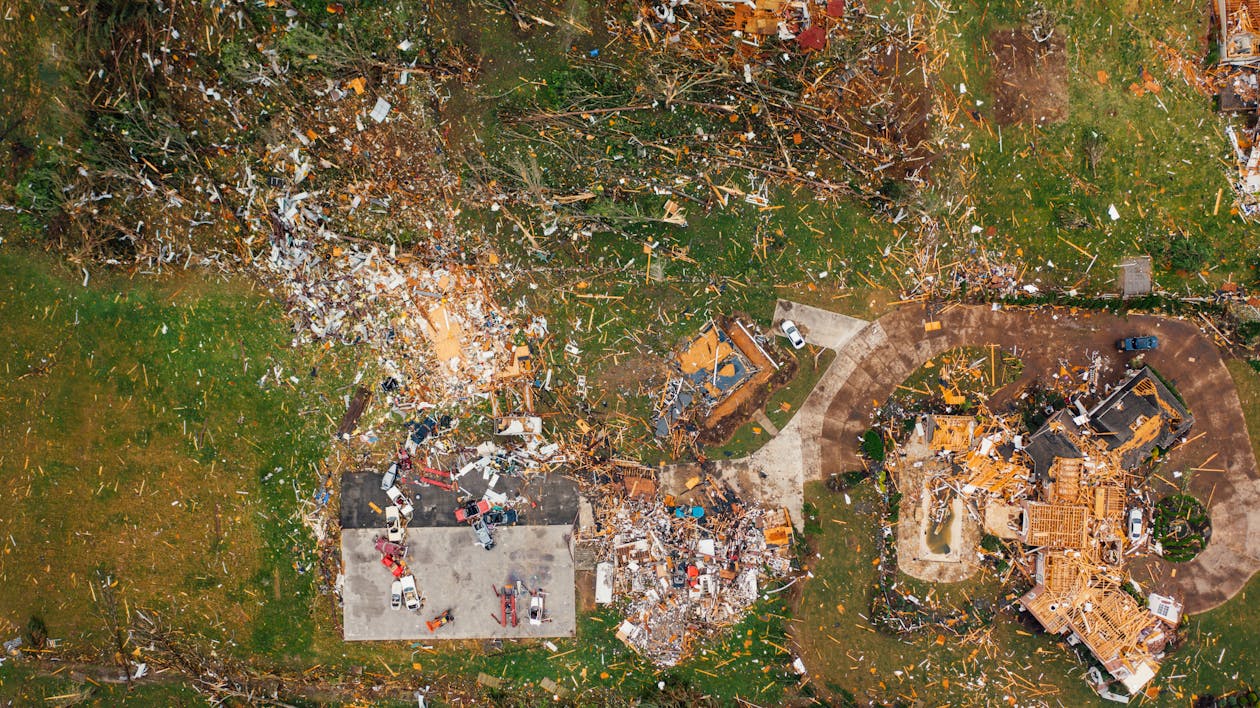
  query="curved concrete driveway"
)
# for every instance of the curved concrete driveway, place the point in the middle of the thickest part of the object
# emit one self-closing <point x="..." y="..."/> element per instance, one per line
<point x="884" y="353"/>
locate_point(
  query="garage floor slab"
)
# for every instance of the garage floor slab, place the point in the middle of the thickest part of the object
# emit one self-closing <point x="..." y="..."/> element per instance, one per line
<point x="453" y="572"/>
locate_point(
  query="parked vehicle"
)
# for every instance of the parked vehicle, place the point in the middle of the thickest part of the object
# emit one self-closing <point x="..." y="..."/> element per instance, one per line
<point x="537" y="611"/>
<point x="395" y="595"/>
<point x="390" y="478"/>
<point x="501" y="517"/>
<point x="393" y="524"/>
<point x="483" y="533"/>
<point x="471" y="510"/>
<point x="1135" y="525"/>
<point x="401" y="501"/>
<point x="1138" y="344"/>
<point x="409" y="593"/>
<point x="792" y="333"/>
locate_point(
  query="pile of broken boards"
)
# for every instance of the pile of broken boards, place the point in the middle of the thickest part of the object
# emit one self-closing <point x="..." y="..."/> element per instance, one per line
<point x="435" y="328"/>
<point x="1238" y="92"/>
<point x="681" y="571"/>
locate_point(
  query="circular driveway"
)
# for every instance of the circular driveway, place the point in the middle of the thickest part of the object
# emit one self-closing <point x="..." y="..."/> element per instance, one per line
<point x="1042" y="338"/>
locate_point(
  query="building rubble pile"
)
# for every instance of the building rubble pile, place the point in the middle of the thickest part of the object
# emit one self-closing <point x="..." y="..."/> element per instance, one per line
<point x="392" y="304"/>
<point x="1246" y="149"/>
<point x="681" y="571"/>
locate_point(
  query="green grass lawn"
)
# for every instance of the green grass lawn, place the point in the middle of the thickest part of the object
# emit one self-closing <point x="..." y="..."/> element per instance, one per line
<point x="749" y="660"/>
<point x="1220" y="649"/>
<point x="1247" y="382"/>
<point x="137" y="443"/>
<point x="976" y="373"/>
<point x="1162" y="156"/>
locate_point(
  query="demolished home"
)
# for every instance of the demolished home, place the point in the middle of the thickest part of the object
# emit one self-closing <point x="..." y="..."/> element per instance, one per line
<point x="1247" y="157"/>
<point x="681" y="567"/>
<point x="1063" y="492"/>
<point x="710" y="375"/>
<point x="1239" y="40"/>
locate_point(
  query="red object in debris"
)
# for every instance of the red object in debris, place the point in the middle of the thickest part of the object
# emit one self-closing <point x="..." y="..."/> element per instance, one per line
<point x="812" y="38"/>
<point x="385" y="547"/>
<point x="387" y="561"/>
<point x="835" y="8"/>
<point x="399" y="570"/>
<point x="435" y="478"/>
<point x="693" y="572"/>
<point x="471" y="510"/>
<point x="440" y="621"/>
<point x="507" y="606"/>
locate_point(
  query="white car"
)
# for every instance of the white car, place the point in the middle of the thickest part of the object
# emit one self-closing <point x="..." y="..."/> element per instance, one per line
<point x="537" y="610"/>
<point x="395" y="595"/>
<point x="792" y="333"/>
<point x="401" y="501"/>
<point x="393" y="524"/>
<point x="390" y="477"/>
<point x="410" y="596"/>
<point x="1135" y="525"/>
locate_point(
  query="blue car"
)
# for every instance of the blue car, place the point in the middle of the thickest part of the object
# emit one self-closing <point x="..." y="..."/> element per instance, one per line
<point x="1137" y="344"/>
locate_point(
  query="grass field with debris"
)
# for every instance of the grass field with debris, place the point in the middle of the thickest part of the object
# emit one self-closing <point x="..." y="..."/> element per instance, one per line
<point x="1161" y="158"/>
<point x="138" y="450"/>
<point x="140" y="455"/>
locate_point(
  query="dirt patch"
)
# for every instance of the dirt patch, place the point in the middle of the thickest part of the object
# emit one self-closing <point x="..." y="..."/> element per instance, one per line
<point x="585" y="580"/>
<point x="626" y="373"/>
<point x="1029" y="84"/>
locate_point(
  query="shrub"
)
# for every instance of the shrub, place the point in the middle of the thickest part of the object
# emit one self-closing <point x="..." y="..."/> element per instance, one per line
<point x="1249" y="332"/>
<point x="36" y="632"/>
<point x="873" y="445"/>
<point x="1184" y="252"/>
<point x="1182" y="527"/>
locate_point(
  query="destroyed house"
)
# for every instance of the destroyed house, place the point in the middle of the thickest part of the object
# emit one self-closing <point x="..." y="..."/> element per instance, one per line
<point x="1239" y="40"/>
<point x="713" y="371"/>
<point x="1123" y="635"/>
<point x="713" y="364"/>
<point x="1139" y="417"/>
<point x="1131" y="422"/>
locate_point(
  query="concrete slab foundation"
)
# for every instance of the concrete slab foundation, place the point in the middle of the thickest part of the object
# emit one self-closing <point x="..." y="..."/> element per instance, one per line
<point x="453" y="572"/>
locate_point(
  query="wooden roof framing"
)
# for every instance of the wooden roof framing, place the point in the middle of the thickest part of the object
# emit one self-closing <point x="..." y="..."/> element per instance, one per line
<point x="1065" y="473"/>
<point x="1109" y="503"/>
<point x="992" y="475"/>
<point x="953" y="433"/>
<point x="1055" y="525"/>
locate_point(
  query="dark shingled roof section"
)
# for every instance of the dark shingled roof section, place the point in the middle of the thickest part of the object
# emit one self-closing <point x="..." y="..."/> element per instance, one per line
<point x="1113" y="417"/>
<point x="1046" y="444"/>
